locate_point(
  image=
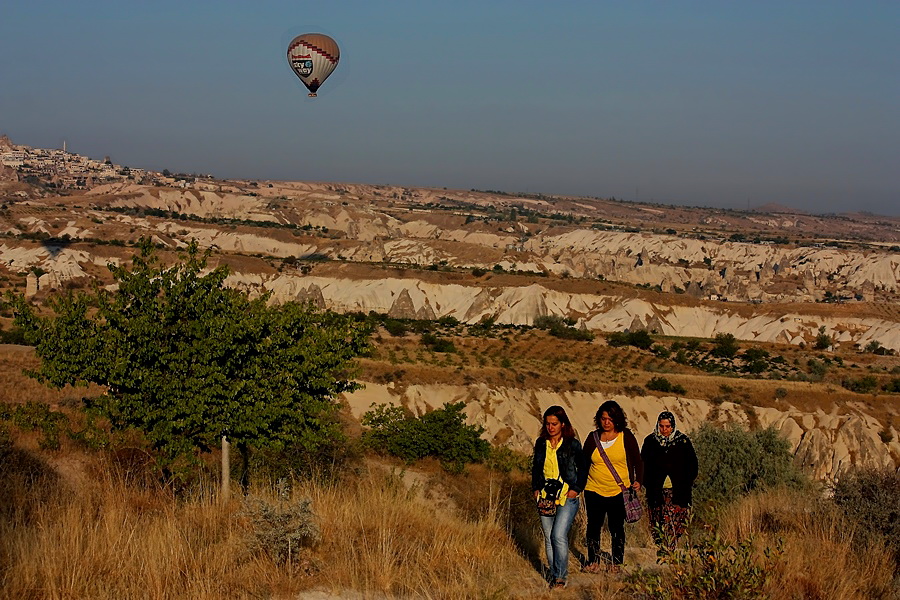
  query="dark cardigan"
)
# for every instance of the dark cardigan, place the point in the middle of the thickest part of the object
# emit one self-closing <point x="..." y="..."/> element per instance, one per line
<point x="677" y="460"/>
<point x="632" y="454"/>
<point x="572" y="468"/>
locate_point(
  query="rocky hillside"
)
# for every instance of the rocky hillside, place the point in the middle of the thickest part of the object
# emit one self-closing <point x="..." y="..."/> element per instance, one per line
<point x="767" y="277"/>
<point x="824" y="443"/>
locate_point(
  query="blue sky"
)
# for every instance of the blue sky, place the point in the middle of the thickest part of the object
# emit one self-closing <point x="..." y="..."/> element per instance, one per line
<point x="694" y="102"/>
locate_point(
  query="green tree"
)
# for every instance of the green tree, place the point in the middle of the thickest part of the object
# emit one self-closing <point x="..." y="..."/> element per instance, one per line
<point x="186" y="359"/>
<point x="725" y="346"/>
<point x="823" y="340"/>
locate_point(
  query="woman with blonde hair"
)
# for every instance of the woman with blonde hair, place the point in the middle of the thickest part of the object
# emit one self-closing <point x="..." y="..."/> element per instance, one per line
<point x="558" y="474"/>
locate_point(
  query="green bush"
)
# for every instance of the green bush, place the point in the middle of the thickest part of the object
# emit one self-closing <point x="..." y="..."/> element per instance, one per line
<point x="708" y="568"/>
<point x="562" y="328"/>
<point x="441" y="433"/>
<point x="892" y="386"/>
<point x="661" y="384"/>
<point x="639" y="339"/>
<point x="864" y="385"/>
<point x="437" y="344"/>
<point x="734" y="462"/>
<point x="872" y="498"/>
<point x="395" y="328"/>
<point x="14" y="335"/>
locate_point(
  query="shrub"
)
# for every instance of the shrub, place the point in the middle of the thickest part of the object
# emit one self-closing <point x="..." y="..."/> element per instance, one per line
<point x="639" y="339"/>
<point x="437" y="344"/>
<point x="441" y="433"/>
<point x="709" y="568"/>
<point x="14" y="335"/>
<point x="863" y="385"/>
<point x="892" y="386"/>
<point x="661" y="384"/>
<point x="870" y="496"/>
<point x="823" y="340"/>
<point x="281" y="531"/>
<point x="395" y="328"/>
<point x="562" y="328"/>
<point x="724" y="346"/>
<point x="752" y="354"/>
<point x="661" y="351"/>
<point x="735" y="462"/>
<point x="448" y="321"/>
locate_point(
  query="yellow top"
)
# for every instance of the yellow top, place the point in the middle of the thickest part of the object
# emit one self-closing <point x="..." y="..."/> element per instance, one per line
<point x="600" y="480"/>
<point x="551" y="471"/>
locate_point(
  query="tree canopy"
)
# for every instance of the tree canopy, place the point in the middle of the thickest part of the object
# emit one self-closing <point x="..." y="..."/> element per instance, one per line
<point x="186" y="359"/>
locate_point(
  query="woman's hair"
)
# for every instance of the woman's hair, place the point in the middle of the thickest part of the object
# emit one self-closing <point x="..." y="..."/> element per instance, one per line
<point x="560" y="413"/>
<point x="615" y="412"/>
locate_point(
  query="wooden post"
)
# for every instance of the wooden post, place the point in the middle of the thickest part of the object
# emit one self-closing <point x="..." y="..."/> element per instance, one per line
<point x="226" y="470"/>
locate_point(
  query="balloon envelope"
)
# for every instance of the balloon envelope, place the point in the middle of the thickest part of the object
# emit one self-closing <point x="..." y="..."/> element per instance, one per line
<point x="313" y="56"/>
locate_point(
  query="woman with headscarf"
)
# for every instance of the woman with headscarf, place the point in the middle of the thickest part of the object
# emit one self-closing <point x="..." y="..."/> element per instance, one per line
<point x="558" y="474"/>
<point x="670" y="468"/>
<point x="603" y="493"/>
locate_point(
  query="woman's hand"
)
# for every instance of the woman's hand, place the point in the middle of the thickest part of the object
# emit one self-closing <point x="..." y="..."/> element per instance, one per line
<point x="571" y="494"/>
<point x="636" y="485"/>
<point x="537" y="494"/>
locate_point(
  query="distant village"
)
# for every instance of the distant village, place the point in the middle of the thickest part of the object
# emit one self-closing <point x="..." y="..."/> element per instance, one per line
<point x="64" y="170"/>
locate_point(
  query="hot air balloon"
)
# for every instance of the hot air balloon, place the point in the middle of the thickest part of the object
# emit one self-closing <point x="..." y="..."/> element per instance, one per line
<point x="313" y="56"/>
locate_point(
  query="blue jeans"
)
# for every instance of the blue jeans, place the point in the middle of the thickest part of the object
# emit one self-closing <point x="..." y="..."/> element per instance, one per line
<point x="556" y="538"/>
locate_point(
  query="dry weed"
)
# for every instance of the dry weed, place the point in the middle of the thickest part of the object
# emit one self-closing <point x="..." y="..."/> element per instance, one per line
<point x="824" y="556"/>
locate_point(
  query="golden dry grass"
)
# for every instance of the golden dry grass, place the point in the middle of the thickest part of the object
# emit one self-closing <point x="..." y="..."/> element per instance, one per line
<point x="113" y="539"/>
<point x="386" y="532"/>
<point x="825" y="555"/>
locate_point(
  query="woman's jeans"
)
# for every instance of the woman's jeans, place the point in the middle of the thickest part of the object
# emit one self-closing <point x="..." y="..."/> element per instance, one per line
<point x="599" y="507"/>
<point x="556" y="538"/>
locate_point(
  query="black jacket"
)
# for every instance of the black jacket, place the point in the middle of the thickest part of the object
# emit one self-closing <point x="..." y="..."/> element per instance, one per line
<point x="572" y="467"/>
<point x="677" y="460"/>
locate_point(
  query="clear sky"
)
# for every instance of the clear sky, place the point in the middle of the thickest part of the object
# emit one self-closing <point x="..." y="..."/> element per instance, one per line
<point x="713" y="103"/>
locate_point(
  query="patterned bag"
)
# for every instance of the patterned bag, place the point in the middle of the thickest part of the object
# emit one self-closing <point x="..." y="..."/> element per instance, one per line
<point x="633" y="509"/>
<point x="546" y="504"/>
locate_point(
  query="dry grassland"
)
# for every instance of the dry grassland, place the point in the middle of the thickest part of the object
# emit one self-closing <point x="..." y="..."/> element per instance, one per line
<point x="386" y="532"/>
